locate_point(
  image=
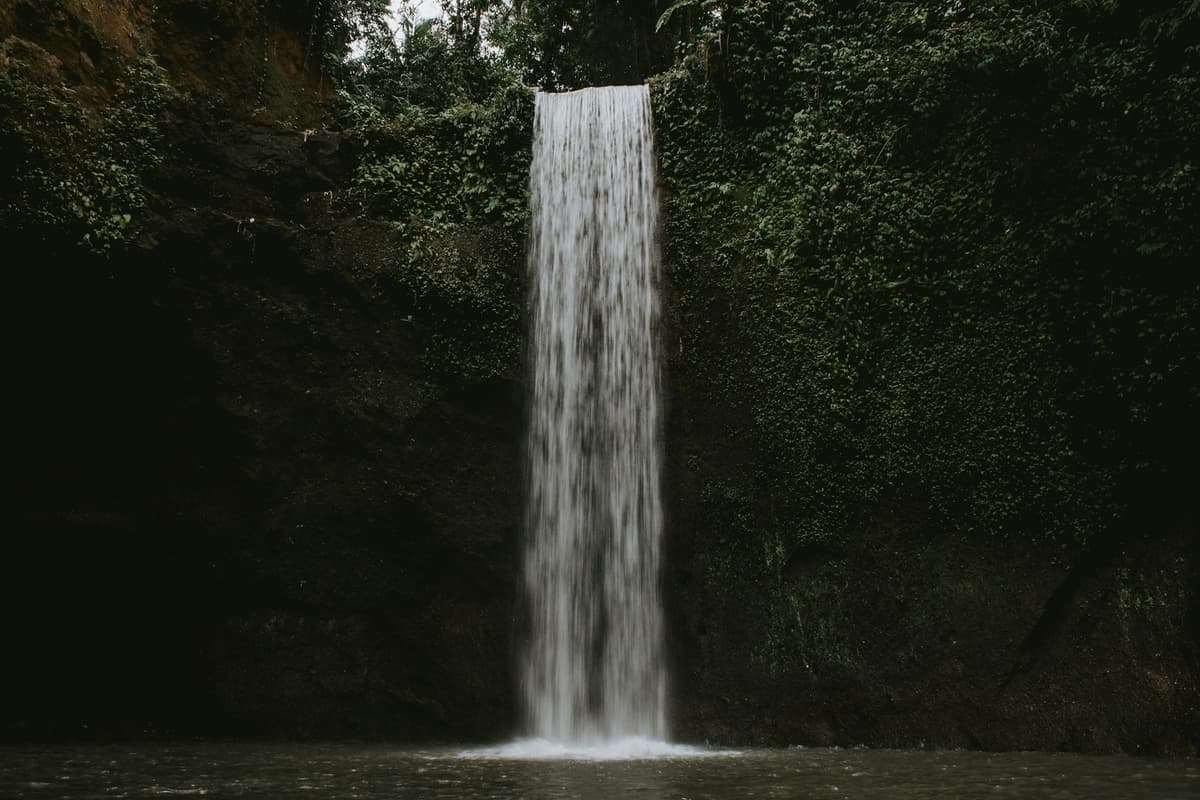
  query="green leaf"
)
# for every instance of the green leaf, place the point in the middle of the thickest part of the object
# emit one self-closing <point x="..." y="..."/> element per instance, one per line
<point x="666" y="15"/>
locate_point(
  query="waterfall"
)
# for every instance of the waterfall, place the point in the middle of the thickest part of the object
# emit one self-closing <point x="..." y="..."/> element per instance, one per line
<point x="593" y="669"/>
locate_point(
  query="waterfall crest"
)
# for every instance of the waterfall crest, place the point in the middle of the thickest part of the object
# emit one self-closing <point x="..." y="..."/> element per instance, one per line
<point x="593" y="669"/>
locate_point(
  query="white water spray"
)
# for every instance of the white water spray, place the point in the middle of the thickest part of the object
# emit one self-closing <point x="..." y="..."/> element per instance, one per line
<point x="593" y="670"/>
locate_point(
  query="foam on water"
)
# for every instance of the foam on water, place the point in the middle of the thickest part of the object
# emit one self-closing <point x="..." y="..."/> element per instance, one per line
<point x="631" y="748"/>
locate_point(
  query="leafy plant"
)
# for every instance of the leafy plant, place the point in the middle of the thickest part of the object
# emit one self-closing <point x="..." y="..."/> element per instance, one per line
<point x="462" y="212"/>
<point x="931" y="231"/>
<point x="71" y="173"/>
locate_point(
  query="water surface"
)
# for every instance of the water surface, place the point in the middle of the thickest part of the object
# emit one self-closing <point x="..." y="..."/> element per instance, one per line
<point x="381" y="772"/>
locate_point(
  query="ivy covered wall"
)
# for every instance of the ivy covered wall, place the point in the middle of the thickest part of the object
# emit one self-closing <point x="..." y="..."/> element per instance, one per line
<point x="935" y="334"/>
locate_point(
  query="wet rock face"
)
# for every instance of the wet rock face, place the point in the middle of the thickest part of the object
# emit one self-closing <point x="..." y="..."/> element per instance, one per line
<point x="247" y="502"/>
<point x="243" y="491"/>
<point x="255" y="495"/>
<point x="901" y="633"/>
<point x="901" y="641"/>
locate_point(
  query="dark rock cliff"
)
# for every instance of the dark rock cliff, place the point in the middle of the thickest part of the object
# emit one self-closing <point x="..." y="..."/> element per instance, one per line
<point x="246" y="501"/>
<point x="261" y="488"/>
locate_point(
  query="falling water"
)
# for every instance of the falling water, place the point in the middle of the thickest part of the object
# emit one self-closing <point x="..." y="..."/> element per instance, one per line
<point x="594" y="666"/>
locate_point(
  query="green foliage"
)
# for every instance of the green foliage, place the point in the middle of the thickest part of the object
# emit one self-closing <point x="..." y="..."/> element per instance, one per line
<point x="68" y="173"/>
<point x="443" y="131"/>
<point x="407" y="171"/>
<point x="463" y="212"/>
<point x="937" y="255"/>
<point x="932" y="258"/>
<point x="432" y="71"/>
<point x="334" y="24"/>
<point x="568" y="44"/>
